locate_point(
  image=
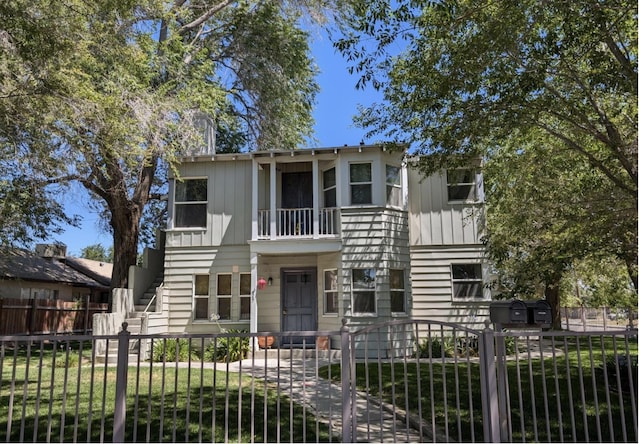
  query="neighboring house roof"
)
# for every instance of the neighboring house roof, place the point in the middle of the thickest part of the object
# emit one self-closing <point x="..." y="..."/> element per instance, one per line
<point x="100" y="271"/>
<point x="24" y="265"/>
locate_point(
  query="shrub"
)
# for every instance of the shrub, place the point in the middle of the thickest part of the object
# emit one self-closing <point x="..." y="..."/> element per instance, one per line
<point x="233" y="348"/>
<point x="173" y="349"/>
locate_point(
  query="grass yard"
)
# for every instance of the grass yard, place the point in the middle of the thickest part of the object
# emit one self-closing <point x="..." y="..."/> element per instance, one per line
<point x="53" y="402"/>
<point x="448" y="394"/>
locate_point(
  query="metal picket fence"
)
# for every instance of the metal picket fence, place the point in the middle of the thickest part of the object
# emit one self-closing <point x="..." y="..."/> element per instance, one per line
<point x="400" y="381"/>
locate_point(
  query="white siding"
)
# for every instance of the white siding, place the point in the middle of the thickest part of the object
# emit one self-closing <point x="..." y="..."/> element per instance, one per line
<point x="432" y="288"/>
<point x="373" y="238"/>
<point x="180" y="266"/>
<point x="228" y="208"/>
<point x="434" y="221"/>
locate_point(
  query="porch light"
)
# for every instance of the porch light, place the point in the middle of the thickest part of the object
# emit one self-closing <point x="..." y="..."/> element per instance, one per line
<point x="270" y="281"/>
<point x="261" y="283"/>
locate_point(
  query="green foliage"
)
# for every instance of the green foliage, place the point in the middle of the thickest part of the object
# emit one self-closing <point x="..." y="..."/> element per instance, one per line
<point x="97" y="252"/>
<point x="232" y="348"/>
<point x="108" y="95"/>
<point x="448" y="347"/>
<point x="547" y="97"/>
<point x="172" y="350"/>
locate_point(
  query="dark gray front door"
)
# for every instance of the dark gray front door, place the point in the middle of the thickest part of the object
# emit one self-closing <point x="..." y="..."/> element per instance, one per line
<point x="299" y="303"/>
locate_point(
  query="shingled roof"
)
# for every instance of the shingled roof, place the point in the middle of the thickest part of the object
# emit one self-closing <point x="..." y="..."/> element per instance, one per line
<point x="22" y="264"/>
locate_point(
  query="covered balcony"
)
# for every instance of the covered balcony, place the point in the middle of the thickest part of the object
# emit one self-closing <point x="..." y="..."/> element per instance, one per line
<point x="294" y="198"/>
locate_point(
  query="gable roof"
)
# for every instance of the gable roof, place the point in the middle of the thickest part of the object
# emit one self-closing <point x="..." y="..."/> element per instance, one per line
<point x="22" y="264"/>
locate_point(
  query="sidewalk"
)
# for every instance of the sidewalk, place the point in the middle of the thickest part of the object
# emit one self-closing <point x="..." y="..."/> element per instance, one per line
<point x="297" y="379"/>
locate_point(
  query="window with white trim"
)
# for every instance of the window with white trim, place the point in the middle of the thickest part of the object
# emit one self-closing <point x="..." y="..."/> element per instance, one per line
<point x="467" y="281"/>
<point x="363" y="291"/>
<point x="190" y="203"/>
<point x="329" y="188"/>
<point x="245" y="295"/>
<point x="330" y="292"/>
<point x="394" y="186"/>
<point x="201" y="297"/>
<point x="360" y="183"/>
<point x="461" y="185"/>
<point x="397" y="292"/>
<point x="223" y="294"/>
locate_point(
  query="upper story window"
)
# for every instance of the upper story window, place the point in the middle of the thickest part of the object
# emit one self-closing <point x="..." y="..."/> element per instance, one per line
<point x="363" y="291"/>
<point x="461" y="185"/>
<point x="398" y="298"/>
<point x="190" y="203"/>
<point x="360" y="183"/>
<point x="329" y="188"/>
<point x="330" y="292"/>
<point x="394" y="186"/>
<point x="467" y="281"/>
<point x="201" y="296"/>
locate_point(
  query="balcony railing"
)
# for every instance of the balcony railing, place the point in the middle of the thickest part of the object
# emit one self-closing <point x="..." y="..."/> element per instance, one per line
<point x="298" y="223"/>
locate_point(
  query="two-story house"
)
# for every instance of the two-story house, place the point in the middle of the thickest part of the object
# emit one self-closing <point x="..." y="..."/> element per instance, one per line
<point x="292" y="240"/>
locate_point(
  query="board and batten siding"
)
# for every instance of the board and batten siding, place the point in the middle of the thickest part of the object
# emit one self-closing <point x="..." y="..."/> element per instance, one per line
<point x="435" y="221"/>
<point x="431" y="285"/>
<point x="181" y="264"/>
<point x="228" y="206"/>
<point x="373" y="238"/>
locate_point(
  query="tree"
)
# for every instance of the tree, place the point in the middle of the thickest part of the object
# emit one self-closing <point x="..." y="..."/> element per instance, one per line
<point x="97" y="252"/>
<point x="127" y="101"/>
<point x="475" y="79"/>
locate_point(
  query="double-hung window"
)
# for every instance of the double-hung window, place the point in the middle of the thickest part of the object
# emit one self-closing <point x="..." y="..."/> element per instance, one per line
<point x="331" y="292"/>
<point x="190" y="206"/>
<point x="397" y="291"/>
<point x="461" y="185"/>
<point x="245" y="295"/>
<point x="363" y="291"/>
<point x="360" y="183"/>
<point x="394" y="186"/>
<point x="201" y="297"/>
<point x="223" y="294"/>
<point x="467" y="281"/>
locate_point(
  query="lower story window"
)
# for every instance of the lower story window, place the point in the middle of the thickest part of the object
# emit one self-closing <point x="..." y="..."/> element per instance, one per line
<point x="363" y="290"/>
<point x="201" y="296"/>
<point x="467" y="281"/>
<point x="397" y="291"/>
<point x="330" y="292"/>
<point x="245" y="296"/>
<point x="224" y="296"/>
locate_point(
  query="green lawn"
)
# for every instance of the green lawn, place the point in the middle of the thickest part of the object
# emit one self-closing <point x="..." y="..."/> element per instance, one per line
<point x="171" y="405"/>
<point x="450" y="397"/>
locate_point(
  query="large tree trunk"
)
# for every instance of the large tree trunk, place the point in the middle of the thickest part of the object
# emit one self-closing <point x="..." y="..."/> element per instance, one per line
<point x="552" y="295"/>
<point x="126" y="230"/>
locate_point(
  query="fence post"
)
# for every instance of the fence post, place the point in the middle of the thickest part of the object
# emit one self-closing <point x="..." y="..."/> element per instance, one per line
<point x="345" y="377"/>
<point x="488" y="385"/>
<point x="120" y="411"/>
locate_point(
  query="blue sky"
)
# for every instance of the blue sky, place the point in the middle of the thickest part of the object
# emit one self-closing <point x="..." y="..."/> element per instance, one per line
<point x="336" y="104"/>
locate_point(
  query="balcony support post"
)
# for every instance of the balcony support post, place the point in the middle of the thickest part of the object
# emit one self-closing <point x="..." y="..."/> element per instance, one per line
<point x="316" y="198"/>
<point x="272" y="200"/>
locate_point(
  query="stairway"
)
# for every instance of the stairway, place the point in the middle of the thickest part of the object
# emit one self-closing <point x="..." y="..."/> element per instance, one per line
<point x="147" y="297"/>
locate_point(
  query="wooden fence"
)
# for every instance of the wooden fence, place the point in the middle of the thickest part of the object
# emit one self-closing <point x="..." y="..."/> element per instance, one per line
<point x="43" y="316"/>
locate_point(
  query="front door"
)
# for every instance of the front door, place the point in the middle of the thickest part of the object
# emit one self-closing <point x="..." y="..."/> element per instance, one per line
<point x="299" y="303"/>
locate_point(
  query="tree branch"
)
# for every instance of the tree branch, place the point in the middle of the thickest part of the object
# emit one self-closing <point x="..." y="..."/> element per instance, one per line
<point x="204" y="17"/>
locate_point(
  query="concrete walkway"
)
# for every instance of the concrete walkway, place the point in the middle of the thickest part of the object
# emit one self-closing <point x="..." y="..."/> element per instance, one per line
<point x="297" y="379"/>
